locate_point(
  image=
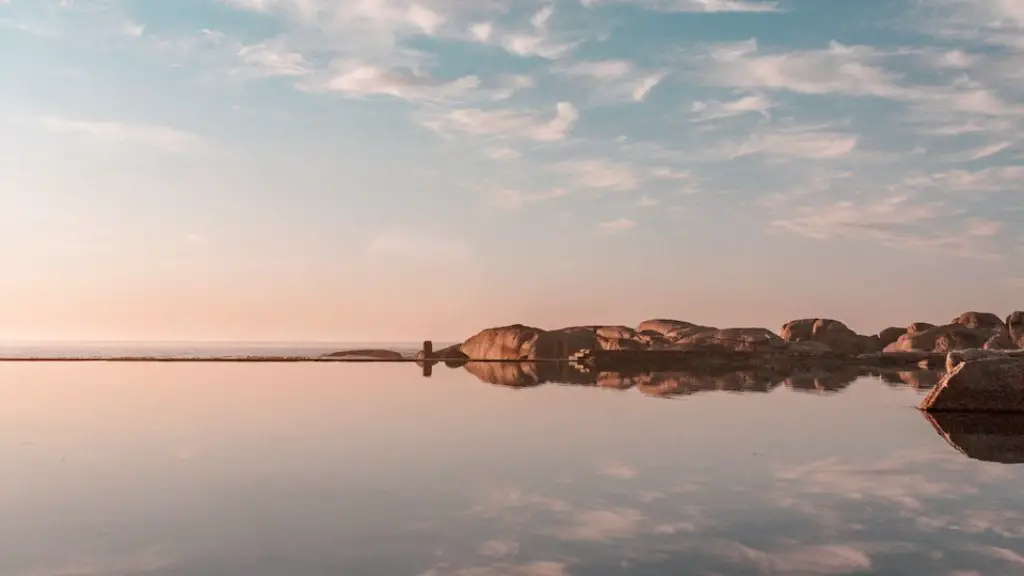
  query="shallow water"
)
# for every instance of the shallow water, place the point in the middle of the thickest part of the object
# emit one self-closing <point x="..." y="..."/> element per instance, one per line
<point x="251" y="470"/>
<point x="196" y="350"/>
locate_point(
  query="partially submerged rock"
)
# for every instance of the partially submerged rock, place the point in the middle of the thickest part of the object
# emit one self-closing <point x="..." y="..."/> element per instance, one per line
<point x="985" y="385"/>
<point x="372" y="354"/>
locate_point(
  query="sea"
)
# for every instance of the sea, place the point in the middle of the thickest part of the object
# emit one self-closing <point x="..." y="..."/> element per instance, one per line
<point x="196" y="350"/>
<point x="332" y="469"/>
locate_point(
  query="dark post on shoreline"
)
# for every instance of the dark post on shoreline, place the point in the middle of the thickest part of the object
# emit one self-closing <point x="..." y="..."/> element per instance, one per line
<point x="428" y="349"/>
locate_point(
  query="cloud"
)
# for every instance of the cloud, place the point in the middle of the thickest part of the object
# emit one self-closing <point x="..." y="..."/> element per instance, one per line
<point x="601" y="525"/>
<point x="405" y="245"/>
<point x="498" y="549"/>
<point x="898" y="222"/>
<point x="647" y="202"/>
<point x="806" y="142"/>
<point x="514" y="200"/>
<point x="715" y="110"/>
<point x="514" y="124"/>
<point x="270" y="58"/>
<point x="618" y="470"/>
<point x="156" y="136"/>
<point x="503" y="569"/>
<point x="838" y="69"/>
<point x="986" y="151"/>
<point x="616" y="226"/>
<point x="613" y="80"/>
<point x="829" y="559"/>
<point x="693" y="5"/>
<point x="502" y="153"/>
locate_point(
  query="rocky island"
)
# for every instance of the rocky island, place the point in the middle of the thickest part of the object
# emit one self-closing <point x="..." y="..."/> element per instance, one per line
<point x="982" y="355"/>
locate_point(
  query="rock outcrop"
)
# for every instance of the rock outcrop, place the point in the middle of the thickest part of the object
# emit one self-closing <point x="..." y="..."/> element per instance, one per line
<point x="737" y="339"/>
<point x="519" y="342"/>
<point x="367" y="354"/>
<point x="940" y="339"/>
<point x="1015" y="328"/>
<point x="833" y="333"/>
<point x="994" y="384"/>
<point x="890" y="335"/>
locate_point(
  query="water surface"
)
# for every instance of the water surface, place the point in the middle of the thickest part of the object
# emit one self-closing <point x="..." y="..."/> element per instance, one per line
<point x="251" y="470"/>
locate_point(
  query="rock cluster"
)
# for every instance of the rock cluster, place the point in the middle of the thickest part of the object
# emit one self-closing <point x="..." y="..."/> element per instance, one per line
<point x="970" y="330"/>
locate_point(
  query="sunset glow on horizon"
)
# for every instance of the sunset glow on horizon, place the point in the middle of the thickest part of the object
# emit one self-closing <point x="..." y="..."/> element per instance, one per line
<point x="382" y="171"/>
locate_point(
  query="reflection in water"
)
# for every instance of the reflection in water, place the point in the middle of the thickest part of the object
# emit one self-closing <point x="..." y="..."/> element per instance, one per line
<point x="916" y="379"/>
<point x="989" y="437"/>
<point x="246" y="470"/>
<point x="684" y="382"/>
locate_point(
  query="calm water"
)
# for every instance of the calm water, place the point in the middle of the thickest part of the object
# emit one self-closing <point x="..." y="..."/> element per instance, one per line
<point x="187" y="349"/>
<point x="251" y="470"/>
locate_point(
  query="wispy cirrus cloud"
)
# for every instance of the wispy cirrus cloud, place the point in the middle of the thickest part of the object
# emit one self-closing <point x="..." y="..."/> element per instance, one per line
<point x="504" y="123"/>
<point x="152" y="135"/>
<point x="709" y="6"/>
<point x="614" y="80"/>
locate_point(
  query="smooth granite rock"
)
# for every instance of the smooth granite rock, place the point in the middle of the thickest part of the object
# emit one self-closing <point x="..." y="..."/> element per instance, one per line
<point x="994" y="384"/>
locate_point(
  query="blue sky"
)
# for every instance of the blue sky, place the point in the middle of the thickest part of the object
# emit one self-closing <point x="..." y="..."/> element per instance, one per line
<point x="384" y="169"/>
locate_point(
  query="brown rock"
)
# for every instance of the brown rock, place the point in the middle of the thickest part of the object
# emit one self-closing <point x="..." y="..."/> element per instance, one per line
<point x="919" y="327"/>
<point x="832" y="333"/>
<point x="890" y="335"/>
<point x="375" y="354"/>
<point x="987" y="385"/>
<point x="662" y="326"/>
<point x="519" y="342"/>
<point x="979" y="321"/>
<point x="1015" y="327"/>
<point x="940" y="339"/>
<point x="738" y="339"/>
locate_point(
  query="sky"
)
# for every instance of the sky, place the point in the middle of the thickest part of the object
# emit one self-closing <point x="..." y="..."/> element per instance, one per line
<point x="386" y="170"/>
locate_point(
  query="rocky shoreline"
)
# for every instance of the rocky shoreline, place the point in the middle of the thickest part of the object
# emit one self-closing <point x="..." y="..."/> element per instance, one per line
<point x="981" y="355"/>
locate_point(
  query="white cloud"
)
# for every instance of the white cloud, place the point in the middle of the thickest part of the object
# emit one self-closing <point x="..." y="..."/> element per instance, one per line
<point x="505" y="123"/>
<point x="406" y="245"/>
<point x="360" y="80"/>
<point x="503" y="569"/>
<point x="798" y="142"/>
<point x="509" y="199"/>
<point x="601" y="174"/>
<point x="272" y="59"/>
<point x="647" y="202"/>
<point x="694" y="5"/>
<point x="986" y="151"/>
<point x="838" y="69"/>
<point x="616" y="226"/>
<point x="613" y="80"/>
<point x="502" y="153"/>
<point x="714" y="109"/>
<point x="157" y="136"/>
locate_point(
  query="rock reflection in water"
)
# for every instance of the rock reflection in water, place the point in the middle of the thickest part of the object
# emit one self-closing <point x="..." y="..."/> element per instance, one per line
<point x="662" y="383"/>
<point x="988" y="437"/>
<point x="916" y="379"/>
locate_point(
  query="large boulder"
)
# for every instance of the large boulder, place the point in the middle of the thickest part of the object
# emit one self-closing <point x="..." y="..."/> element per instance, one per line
<point x="519" y="342"/>
<point x="890" y="335"/>
<point x="919" y="327"/>
<point x="985" y="385"/>
<point x="738" y="339"/>
<point x="984" y="321"/>
<point x="940" y="339"/>
<point x="671" y="329"/>
<point x="832" y="333"/>
<point x="1015" y="328"/>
